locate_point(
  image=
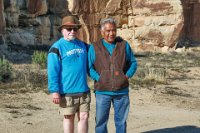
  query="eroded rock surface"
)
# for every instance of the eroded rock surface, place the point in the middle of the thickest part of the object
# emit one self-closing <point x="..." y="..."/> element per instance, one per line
<point x="148" y="25"/>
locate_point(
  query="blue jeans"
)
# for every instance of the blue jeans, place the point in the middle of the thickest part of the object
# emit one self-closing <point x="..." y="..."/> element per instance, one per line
<point x="121" y="106"/>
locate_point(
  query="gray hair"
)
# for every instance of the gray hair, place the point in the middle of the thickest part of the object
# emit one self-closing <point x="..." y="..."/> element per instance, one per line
<point x="107" y="20"/>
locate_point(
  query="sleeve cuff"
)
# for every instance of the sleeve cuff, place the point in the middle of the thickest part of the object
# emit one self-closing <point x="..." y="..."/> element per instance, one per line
<point x="98" y="77"/>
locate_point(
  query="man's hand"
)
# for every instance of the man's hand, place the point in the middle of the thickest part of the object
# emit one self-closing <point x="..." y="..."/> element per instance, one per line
<point x="55" y="97"/>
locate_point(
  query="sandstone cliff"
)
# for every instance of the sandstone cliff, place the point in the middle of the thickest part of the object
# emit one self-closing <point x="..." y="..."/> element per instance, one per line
<point x="148" y="25"/>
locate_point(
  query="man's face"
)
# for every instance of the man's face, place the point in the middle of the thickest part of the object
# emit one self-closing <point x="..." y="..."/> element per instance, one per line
<point x="109" y="32"/>
<point x="69" y="33"/>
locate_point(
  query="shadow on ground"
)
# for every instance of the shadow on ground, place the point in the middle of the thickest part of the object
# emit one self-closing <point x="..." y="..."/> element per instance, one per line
<point x="181" y="129"/>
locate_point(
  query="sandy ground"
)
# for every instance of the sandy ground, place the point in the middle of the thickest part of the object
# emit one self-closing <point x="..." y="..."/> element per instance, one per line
<point x="153" y="110"/>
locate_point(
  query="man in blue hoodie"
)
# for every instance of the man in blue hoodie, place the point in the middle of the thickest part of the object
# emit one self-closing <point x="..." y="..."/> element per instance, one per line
<point x="111" y="64"/>
<point x="67" y="76"/>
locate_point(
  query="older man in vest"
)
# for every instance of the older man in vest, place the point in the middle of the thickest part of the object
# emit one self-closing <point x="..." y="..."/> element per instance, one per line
<point x="111" y="64"/>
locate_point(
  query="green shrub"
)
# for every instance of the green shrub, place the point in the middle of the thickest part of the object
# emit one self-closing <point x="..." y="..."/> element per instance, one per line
<point x="6" y="70"/>
<point x="40" y="58"/>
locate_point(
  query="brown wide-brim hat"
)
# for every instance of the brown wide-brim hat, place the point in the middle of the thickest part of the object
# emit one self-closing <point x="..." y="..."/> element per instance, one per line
<point x="69" y="21"/>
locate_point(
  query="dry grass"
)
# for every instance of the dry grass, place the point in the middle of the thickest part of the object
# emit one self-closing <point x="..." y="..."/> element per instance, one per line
<point x="27" y="78"/>
<point x="157" y="68"/>
<point x="153" y="69"/>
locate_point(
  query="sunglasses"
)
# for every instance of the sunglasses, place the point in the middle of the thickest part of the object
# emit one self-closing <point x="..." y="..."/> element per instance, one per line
<point x="70" y="29"/>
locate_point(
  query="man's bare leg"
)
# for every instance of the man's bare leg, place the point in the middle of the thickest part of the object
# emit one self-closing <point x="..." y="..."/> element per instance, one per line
<point x="68" y="123"/>
<point x="83" y="122"/>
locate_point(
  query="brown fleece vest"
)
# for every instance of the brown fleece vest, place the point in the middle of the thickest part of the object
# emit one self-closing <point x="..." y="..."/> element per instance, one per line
<point x="111" y="69"/>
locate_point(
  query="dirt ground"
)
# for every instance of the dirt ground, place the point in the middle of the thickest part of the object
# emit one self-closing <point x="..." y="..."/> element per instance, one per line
<point x="173" y="108"/>
<point x="161" y="108"/>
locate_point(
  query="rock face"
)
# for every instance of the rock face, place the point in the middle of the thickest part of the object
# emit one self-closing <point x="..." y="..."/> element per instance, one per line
<point x="191" y="11"/>
<point x="148" y="25"/>
<point x="2" y="22"/>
